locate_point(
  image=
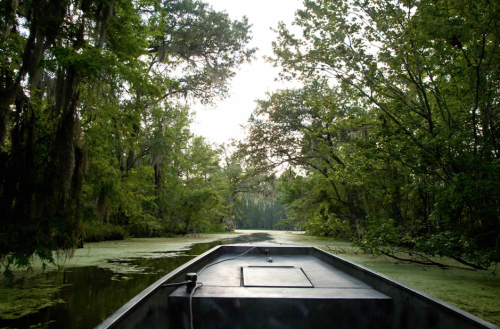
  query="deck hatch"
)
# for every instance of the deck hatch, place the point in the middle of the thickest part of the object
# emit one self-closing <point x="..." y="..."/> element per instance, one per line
<point x="275" y="276"/>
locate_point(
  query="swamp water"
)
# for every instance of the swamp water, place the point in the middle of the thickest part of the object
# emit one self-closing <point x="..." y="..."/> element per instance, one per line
<point x="90" y="294"/>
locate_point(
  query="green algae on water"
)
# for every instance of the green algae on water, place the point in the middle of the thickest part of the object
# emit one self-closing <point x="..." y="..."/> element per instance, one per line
<point x="37" y="289"/>
<point x="476" y="292"/>
<point x="16" y="302"/>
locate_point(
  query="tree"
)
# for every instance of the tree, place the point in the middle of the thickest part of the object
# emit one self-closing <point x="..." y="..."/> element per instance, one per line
<point x="308" y="129"/>
<point x="83" y="84"/>
<point x="256" y="213"/>
<point x="194" y="190"/>
<point x="428" y="71"/>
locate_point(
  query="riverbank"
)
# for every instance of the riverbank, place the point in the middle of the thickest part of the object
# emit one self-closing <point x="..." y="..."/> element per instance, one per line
<point x="477" y="292"/>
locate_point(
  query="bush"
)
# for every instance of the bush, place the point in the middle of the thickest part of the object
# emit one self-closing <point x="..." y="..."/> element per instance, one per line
<point x="97" y="231"/>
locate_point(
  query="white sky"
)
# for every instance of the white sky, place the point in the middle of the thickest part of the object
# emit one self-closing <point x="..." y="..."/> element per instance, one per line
<point x="222" y="122"/>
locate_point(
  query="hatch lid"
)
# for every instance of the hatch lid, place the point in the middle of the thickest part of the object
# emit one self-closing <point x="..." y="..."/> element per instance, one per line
<point x="275" y="276"/>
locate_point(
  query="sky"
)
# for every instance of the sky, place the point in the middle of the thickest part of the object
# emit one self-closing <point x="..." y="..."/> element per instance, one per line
<point x="222" y="122"/>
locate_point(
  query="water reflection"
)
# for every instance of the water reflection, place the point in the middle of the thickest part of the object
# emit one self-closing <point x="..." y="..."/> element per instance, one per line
<point x="91" y="294"/>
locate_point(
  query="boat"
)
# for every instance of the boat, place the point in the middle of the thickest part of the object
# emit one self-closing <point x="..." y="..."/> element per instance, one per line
<point x="283" y="286"/>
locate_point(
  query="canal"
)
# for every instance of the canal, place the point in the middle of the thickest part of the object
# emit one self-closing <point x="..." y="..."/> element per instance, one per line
<point x="90" y="294"/>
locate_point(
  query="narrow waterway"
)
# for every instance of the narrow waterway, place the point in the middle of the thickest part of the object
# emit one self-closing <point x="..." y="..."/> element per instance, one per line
<point x="90" y="294"/>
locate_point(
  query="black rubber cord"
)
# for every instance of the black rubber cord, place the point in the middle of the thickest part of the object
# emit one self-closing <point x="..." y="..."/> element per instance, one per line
<point x="200" y="284"/>
<point x="174" y="284"/>
<point x="225" y="260"/>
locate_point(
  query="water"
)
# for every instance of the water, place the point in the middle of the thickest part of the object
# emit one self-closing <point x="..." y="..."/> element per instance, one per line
<point x="91" y="294"/>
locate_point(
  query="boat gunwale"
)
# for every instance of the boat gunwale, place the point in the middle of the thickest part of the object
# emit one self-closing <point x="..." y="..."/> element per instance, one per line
<point x="128" y="307"/>
<point x="408" y="289"/>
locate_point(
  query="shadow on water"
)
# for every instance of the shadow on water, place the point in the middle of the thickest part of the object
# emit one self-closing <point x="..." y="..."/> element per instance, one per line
<point x="199" y="248"/>
<point x="90" y="294"/>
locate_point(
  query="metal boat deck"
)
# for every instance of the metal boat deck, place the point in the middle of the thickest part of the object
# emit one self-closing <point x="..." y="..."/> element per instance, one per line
<point x="303" y="287"/>
<point x="292" y="291"/>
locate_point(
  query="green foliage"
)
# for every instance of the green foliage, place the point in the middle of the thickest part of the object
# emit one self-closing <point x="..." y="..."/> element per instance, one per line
<point x="96" y="231"/>
<point x="262" y="213"/>
<point x="90" y="123"/>
<point x="194" y="193"/>
<point x="398" y="141"/>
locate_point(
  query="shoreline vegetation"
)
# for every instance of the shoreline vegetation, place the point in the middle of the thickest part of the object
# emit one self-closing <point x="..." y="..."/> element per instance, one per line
<point x="473" y="291"/>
